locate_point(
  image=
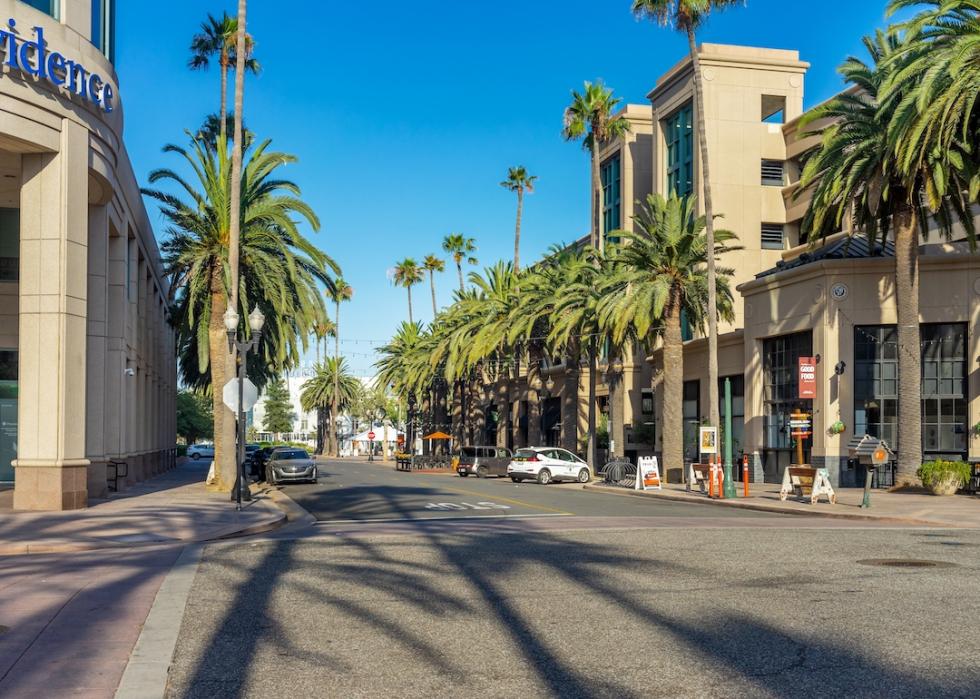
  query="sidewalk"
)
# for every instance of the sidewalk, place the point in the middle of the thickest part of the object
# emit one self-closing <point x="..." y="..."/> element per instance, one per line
<point x="173" y="508"/>
<point x="960" y="511"/>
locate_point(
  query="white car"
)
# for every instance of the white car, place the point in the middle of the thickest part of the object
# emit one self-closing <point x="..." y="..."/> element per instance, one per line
<point x="200" y="451"/>
<point x="547" y="464"/>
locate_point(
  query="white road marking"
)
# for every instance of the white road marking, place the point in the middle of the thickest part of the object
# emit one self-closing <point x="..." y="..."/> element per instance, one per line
<point x="443" y="519"/>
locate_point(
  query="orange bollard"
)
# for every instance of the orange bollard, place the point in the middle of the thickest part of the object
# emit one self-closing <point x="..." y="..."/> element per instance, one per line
<point x="745" y="475"/>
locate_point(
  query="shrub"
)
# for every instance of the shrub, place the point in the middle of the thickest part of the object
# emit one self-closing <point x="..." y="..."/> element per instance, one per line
<point x="181" y="450"/>
<point x="944" y="476"/>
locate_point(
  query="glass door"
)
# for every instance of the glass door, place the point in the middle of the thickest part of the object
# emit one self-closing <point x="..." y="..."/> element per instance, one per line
<point x="8" y="414"/>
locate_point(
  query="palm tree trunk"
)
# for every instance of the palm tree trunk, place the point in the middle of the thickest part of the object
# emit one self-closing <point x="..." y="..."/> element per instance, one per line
<point x="569" y="404"/>
<point x="224" y="97"/>
<point x="593" y="454"/>
<point x="459" y="271"/>
<point x="224" y="423"/>
<point x="597" y="238"/>
<point x="909" y="347"/>
<point x="517" y="230"/>
<point x="336" y="373"/>
<point x="410" y="319"/>
<point x="713" y="417"/>
<point x="432" y="287"/>
<point x="534" y="435"/>
<point x="673" y="367"/>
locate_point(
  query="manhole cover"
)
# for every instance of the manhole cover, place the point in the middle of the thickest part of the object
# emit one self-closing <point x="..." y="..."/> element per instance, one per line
<point x="904" y="563"/>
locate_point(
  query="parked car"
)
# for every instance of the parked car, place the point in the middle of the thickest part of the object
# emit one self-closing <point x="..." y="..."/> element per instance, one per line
<point x="289" y="465"/>
<point x="259" y="461"/>
<point x="483" y="461"/>
<point x="547" y="464"/>
<point x="200" y="451"/>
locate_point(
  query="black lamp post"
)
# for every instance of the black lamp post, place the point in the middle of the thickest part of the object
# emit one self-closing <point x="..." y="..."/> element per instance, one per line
<point x="256" y="320"/>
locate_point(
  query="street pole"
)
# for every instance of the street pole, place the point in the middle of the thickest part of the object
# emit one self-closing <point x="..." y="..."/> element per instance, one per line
<point x="255" y="321"/>
<point x="729" y="485"/>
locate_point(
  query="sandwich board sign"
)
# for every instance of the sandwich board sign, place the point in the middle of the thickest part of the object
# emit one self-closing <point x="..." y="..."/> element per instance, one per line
<point x="648" y="473"/>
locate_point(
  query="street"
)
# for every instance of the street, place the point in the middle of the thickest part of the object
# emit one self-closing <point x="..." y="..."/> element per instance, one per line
<point x="620" y="597"/>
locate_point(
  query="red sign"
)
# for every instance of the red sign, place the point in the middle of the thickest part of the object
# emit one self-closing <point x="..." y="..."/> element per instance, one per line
<point x="808" y="377"/>
<point x="371" y="436"/>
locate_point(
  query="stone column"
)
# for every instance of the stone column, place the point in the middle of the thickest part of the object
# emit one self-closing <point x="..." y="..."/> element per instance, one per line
<point x="52" y="468"/>
<point x="95" y="429"/>
<point x="115" y="361"/>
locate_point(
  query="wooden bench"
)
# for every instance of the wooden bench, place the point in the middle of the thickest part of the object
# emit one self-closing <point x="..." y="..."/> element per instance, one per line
<point x="700" y="474"/>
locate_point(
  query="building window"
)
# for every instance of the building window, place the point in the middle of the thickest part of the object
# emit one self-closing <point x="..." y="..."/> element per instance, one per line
<point x="773" y="109"/>
<point x="51" y="7"/>
<point x="611" y="189"/>
<point x="9" y="245"/>
<point x="780" y="361"/>
<point x="687" y="332"/>
<point x="679" y="135"/>
<point x="646" y="401"/>
<point x="876" y="381"/>
<point x="104" y="27"/>
<point x="772" y="173"/>
<point x="738" y="411"/>
<point x="692" y="419"/>
<point x="772" y="236"/>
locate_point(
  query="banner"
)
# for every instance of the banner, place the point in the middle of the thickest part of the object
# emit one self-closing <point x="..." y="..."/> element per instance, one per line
<point x="648" y="473"/>
<point x="808" y="377"/>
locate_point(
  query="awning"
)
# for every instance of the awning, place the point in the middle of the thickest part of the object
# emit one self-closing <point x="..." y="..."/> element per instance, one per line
<point x="437" y="435"/>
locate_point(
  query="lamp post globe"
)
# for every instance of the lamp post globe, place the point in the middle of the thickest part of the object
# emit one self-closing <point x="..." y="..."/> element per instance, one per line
<point x="256" y="320"/>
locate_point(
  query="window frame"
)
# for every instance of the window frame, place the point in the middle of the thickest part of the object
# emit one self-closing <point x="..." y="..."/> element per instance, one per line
<point x="679" y="150"/>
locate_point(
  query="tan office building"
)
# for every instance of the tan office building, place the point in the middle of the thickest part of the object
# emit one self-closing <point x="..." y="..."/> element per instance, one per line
<point x="87" y="360"/>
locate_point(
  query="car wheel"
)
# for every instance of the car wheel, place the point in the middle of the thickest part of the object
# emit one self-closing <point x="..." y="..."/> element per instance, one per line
<point x="544" y="476"/>
<point x="584" y="476"/>
<point x="515" y="479"/>
<point x="481" y="472"/>
<point x="195" y="456"/>
<point x="463" y="474"/>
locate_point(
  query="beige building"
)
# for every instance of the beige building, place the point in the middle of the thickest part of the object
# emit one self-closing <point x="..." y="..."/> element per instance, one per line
<point x="87" y="360"/>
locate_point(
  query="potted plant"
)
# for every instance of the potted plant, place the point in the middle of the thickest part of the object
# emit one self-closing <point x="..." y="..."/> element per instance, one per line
<point x="944" y="477"/>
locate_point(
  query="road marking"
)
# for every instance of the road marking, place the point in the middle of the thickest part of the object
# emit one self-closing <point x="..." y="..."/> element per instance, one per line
<point x="510" y="500"/>
<point x="465" y="506"/>
<point x="442" y="519"/>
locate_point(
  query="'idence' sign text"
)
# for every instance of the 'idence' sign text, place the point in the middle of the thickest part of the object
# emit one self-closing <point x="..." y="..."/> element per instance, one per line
<point x="34" y="58"/>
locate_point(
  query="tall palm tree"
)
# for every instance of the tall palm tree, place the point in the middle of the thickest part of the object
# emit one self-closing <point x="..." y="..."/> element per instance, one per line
<point x="462" y="249"/>
<point x="433" y="264"/>
<point x="340" y="291"/>
<point x="590" y="118"/>
<point x="321" y="331"/>
<point x="282" y="270"/>
<point x="661" y="270"/>
<point x="859" y="182"/>
<point x="218" y="37"/>
<point x="687" y="16"/>
<point x="407" y="273"/>
<point x="331" y="389"/>
<point x="519" y="181"/>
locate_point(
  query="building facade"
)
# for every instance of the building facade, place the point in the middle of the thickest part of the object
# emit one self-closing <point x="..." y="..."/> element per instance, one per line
<point x="87" y="357"/>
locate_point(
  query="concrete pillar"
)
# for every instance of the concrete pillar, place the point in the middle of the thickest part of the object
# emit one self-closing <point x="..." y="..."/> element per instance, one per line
<point x="115" y="378"/>
<point x="98" y="248"/>
<point x="52" y="468"/>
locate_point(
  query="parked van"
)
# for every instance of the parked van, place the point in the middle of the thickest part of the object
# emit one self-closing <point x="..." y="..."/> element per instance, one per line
<point x="483" y="461"/>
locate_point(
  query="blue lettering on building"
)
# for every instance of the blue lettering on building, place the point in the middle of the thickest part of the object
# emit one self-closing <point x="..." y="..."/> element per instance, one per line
<point x="33" y="57"/>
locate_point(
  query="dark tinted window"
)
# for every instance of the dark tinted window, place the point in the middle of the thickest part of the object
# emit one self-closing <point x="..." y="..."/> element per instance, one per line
<point x="525" y="454"/>
<point x="468" y="452"/>
<point x="291" y="455"/>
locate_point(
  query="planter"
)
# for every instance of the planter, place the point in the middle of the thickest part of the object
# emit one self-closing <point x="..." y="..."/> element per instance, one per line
<point x="946" y="484"/>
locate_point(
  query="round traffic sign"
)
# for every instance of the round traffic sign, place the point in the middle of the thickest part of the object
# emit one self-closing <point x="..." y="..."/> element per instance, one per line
<point x="371" y="436"/>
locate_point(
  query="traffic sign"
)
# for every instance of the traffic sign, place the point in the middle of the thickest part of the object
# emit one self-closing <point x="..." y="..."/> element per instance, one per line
<point x="250" y="395"/>
<point x="371" y="436"/>
<point x="879" y="456"/>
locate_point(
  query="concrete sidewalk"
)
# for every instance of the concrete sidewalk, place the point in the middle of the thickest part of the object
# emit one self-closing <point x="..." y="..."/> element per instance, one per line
<point x="172" y="508"/>
<point x="961" y="511"/>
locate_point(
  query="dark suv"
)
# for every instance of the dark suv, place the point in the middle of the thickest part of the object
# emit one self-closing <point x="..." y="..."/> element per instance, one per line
<point x="483" y="461"/>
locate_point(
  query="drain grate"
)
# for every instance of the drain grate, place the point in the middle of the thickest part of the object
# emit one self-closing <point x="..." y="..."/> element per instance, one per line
<point x="904" y="563"/>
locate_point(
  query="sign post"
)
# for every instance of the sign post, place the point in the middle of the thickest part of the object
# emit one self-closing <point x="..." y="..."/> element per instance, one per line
<point x="729" y="483"/>
<point x="879" y="457"/>
<point x="370" y="436"/>
<point x="799" y="424"/>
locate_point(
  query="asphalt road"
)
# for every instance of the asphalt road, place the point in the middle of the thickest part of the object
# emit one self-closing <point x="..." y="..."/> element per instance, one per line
<point x="669" y="612"/>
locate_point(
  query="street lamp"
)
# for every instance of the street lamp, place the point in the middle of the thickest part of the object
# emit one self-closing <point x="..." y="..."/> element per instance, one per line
<point x="256" y="321"/>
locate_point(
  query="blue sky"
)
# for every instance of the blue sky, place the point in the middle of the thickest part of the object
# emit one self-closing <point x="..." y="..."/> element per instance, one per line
<point x="406" y="116"/>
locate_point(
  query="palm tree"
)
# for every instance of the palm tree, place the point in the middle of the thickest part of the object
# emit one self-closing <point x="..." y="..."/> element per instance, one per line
<point x="219" y="37"/>
<point x="404" y="366"/>
<point x="688" y="16"/>
<point x="858" y="181"/>
<point x="321" y="331"/>
<point x="661" y="270"/>
<point x="590" y="118"/>
<point x="331" y="389"/>
<point x="282" y="271"/>
<point x="462" y="249"/>
<point x="339" y="292"/>
<point x="519" y="181"/>
<point x="433" y="264"/>
<point x="407" y="273"/>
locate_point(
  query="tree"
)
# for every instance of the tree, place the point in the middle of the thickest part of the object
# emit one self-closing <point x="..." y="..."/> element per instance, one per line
<point x="518" y="181"/>
<point x="282" y="271"/>
<point x="590" y="118"/>
<point x="687" y="16"/>
<point x="407" y="273"/>
<point x="194" y="418"/>
<point x="660" y="271"/>
<point x="858" y="181"/>
<point x="331" y="389"/>
<point x="461" y="249"/>
<point x="340" y="292"/>
<point x="218" y="37"/>
<point x="433" y="264"/>
<point x="321" y="331"/>
<point x="279" y="415"/>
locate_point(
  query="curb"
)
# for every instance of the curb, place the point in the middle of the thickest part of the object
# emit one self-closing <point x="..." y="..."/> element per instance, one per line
<point x="292" y="511"/>
<point x="761" y="507"/>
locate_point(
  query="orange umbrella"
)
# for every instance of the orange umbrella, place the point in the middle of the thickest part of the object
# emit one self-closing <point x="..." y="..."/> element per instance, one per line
<point x="437" y="435"/>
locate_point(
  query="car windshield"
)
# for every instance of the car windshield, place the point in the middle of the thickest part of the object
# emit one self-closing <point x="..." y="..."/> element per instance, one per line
<point x="525" y="454"/>
<point x="293" y="455"/>
<point x="468" y="452"/>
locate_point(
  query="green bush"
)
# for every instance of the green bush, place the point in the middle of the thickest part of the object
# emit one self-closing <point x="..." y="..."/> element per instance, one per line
<point x="181" y="450"/>
<point x="934" y="471"/>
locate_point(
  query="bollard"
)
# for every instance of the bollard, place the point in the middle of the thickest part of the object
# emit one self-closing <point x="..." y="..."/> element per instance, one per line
<point x="745" y="476"/>
<point x="711" y="479"/>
